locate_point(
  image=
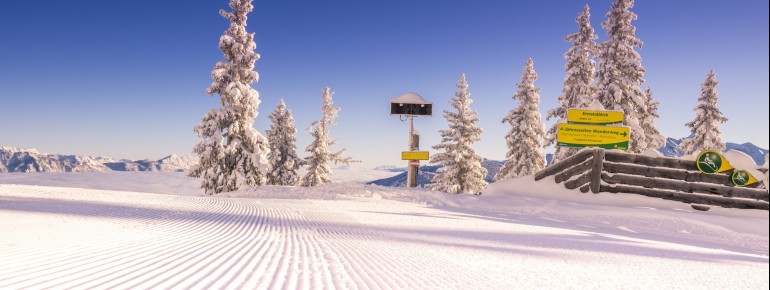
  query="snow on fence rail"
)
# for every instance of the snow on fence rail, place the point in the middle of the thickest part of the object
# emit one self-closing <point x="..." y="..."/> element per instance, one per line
<point x="598" y="170"/>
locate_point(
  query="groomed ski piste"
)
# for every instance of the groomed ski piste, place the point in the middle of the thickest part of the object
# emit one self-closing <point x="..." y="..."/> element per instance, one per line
<point x="139" y="230"/>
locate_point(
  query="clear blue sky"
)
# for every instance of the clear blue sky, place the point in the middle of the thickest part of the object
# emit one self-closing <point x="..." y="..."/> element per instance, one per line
<point x="127" y="79"/>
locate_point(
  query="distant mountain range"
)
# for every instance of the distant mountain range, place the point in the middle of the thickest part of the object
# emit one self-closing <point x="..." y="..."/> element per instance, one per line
<point x="756" y="153"/>
<point x="30" y="160"/>
<point x="426" y="173"/>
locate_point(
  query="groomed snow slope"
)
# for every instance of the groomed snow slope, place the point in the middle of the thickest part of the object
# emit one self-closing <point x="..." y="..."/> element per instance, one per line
<point x="519" y="234"/>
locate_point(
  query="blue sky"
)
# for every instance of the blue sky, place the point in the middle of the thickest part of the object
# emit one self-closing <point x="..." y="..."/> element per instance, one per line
<point x="127" y="79"/>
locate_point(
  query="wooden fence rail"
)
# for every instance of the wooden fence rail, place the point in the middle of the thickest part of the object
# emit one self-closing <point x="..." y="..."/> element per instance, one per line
<point x="598" y="170"/>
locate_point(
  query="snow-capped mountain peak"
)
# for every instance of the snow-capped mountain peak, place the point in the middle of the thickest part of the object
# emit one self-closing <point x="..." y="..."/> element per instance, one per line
<point x="14" y="159"/>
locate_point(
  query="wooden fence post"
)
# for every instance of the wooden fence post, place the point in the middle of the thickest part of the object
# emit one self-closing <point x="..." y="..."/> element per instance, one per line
<point x="563" y="164"/>
<point x="596" y="170"/>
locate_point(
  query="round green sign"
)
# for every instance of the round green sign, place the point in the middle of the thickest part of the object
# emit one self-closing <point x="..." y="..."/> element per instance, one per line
<point x="709" y="162"/>
<point x="741" y="178"/>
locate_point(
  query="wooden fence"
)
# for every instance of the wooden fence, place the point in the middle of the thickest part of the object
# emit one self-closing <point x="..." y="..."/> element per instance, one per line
<point x="598" y="170"/>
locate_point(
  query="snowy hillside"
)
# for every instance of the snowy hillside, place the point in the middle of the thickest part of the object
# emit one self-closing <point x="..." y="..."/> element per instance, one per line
<point x="756" y="153"/>
<point x="30" y="160"/>
<point x="168" y="163"/>
<point x="520" y="234"/>
<point x="426" y="172"/>
<point x="671" y="149"/>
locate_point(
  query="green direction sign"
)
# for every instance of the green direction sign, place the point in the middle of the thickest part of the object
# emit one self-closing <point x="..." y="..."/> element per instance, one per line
<point x="711" y="161"/>
<point x="580" y="135"/>
<point x="743" y="178"/>
<point x="577" y="116"/>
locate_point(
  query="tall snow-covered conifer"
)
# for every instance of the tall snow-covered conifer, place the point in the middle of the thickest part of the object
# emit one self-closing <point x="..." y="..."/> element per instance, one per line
<point x="621" y="72"/>
<point x="525" y="139"/>
<point x="232" y="153"/>
<point x="577" y="91"/>
<point x="705" y="133"/>
<point x="653" y="138"/>
<point x="462" y="171"/>
<point x="318" y="162"/>
<point x="284" y="162"/>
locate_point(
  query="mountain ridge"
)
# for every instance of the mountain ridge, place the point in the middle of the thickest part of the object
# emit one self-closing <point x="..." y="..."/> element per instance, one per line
<point x="14" y="159"/>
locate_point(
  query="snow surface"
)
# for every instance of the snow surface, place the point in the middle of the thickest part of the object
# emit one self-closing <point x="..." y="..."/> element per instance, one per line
<point x="519" y="234"/>
<point x="410" y="98"/>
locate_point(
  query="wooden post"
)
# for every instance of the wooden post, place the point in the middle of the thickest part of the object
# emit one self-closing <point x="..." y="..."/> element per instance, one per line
<point x="679" y="185"/>
<point x="668" y="173"/>
<point x="572" y="171"/>
<point x="638" y="159"/>
<point x="577" y="182"/>
<point x="688" y="197"/>
<point x="414" y="144"/>
<point x="596" y="170"/>
<point x="563" y="164"/>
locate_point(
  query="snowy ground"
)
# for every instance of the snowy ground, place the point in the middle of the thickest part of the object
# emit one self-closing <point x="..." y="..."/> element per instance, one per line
<point x="58" y="232"/>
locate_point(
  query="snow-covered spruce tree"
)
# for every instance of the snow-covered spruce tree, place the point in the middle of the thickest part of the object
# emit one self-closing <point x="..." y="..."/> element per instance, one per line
<point x="527" y="135"/>
<point x="284" y="162"/>
<point x="705" y="133"/>
<point x="652" y="136"/>
<point x="318" y="162"/>
<point x="621" y="72"/>
<point x="462" y="171"/>
<point x="577" y="91"/>
<point x="232" y="153"/>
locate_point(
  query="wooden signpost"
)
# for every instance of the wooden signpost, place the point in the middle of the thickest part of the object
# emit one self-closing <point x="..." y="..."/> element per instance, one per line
<point x="408" y="106"/>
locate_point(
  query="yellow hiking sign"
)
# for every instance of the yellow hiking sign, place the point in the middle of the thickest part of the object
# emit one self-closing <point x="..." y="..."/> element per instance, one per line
<point x="579" y="135"/>
<point x="414" y="155"/>
<point x="577" y="116"/>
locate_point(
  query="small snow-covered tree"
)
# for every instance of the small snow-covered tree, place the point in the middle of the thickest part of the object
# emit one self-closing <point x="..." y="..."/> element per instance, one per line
<point x="284" y="162"/>
<point x="705" y="133"/>
<point x="652" y="136"/>
<point x="525" y="139"/>
<point x="232" y="153"/>
<point x="318" y="162"/>
<point x="462" y="171"/>
<point x="577" y="91"/>
<point x="621" y="72"/>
